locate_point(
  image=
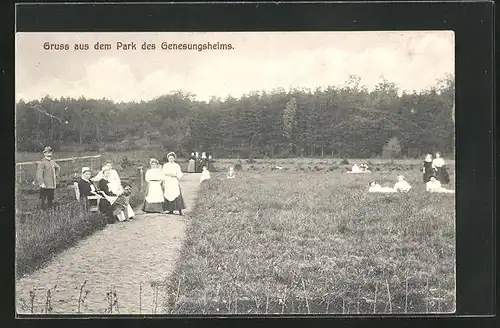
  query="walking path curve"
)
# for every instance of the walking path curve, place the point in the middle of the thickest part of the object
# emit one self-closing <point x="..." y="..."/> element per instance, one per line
<point x="127" y="256"/>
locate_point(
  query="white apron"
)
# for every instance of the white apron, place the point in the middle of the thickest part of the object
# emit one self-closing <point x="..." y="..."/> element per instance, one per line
<point x="172" y="173"/>
<point x="155" y="190"/>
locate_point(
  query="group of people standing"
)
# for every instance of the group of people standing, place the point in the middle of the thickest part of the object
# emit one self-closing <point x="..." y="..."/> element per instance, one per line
<point x="163" y="193"/>
<point x="197" y="162"/>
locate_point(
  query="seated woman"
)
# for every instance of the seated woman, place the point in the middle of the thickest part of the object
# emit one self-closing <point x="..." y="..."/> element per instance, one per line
<point x="115" y="204"/>
<point x="105" y="205"/>
<point x="433" y="185"/>
<point x="85" y="186"/>
<point x="231" y="174"/>
<point x="205" y="174"/>
<point x="153" y="202"/>
<point x="376" y="187"/>
<point x="402" y="185"/>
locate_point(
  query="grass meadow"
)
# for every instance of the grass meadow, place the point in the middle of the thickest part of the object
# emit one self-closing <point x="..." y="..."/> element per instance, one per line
<point x="306" y="238"/>
<point x="312" y="240"/>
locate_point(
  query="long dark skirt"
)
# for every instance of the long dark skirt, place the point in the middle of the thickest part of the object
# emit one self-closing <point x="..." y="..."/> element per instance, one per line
<point x="152" y="207"/>
<point x="442" y="175"/>
<point x="428" y="172"/>
<point x="175" y="205"/>
<point x="107" y="209"/>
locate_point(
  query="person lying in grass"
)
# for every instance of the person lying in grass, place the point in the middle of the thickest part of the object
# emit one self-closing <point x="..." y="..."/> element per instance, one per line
<point x="435" y="186"/>
<point x="376" y="187"/>
<point x="363" y="168"/>
<point x="402" y="185"/>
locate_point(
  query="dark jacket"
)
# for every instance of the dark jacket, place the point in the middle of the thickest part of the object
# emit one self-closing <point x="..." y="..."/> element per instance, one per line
<point x="85" y="188"/>
<point x="103" y="186"/>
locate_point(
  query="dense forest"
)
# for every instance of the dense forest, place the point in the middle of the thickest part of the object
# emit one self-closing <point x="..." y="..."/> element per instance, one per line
<point x="341" y="121"/>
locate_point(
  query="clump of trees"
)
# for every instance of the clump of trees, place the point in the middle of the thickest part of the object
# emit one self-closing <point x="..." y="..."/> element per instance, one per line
<point x="347" y="121"/>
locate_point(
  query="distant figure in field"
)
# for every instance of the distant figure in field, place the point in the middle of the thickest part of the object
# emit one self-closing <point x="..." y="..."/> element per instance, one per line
<point x="205" y="174"/>
<point x="355" y="169"/>
<point x="153" y="202"/>
<point x="433" y="185"/>
<point x="192" y="164"/>
<point x="209" y="163"/>
<point x="231" y="174"/>
<point x="427" y="170"/>
<point x="172" y="194"/>
<point x="46" y="175"/>
<point x="402" y="185"/>
<point x="197" y="162"/>
<point x="203" y="161"/>
<point x="364" y="168"/>
<point x="439" y="166"/>
<point x="376" y="187"/>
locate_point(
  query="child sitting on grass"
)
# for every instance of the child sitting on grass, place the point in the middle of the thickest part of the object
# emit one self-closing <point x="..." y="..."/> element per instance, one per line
<point x="205" y="174"/>
<point x="402" y="185"/>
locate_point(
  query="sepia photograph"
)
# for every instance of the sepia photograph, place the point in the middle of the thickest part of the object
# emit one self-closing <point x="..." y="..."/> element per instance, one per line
<point x="235" y="173"/>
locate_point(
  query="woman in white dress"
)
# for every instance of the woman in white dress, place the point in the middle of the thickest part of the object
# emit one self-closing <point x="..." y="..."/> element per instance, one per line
<point x="435" y="186"/>
<point x="173" y="197"/>
<point x="153" y="202"/>
<point x="402" y="185"/>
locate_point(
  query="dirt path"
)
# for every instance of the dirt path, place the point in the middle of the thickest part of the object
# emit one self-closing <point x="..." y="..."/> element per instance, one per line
<point x="127" y="256"/>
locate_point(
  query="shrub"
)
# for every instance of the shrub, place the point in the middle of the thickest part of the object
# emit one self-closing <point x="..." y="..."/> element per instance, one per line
<point x="92" y="147"/>
<point x="392" y="149"/>
<point x="344" y="162"/>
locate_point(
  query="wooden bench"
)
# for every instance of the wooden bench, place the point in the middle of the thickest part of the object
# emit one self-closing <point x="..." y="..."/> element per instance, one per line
<point x="93" y="201"/>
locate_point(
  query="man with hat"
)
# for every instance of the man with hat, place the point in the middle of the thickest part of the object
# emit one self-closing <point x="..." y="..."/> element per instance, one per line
<point x="46" y="176"/>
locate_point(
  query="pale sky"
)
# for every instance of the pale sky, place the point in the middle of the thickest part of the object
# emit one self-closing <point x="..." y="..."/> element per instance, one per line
<point x="414" y="60"/>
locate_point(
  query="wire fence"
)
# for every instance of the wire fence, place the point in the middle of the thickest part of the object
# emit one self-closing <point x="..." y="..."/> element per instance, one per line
<point x="70" y="168"/>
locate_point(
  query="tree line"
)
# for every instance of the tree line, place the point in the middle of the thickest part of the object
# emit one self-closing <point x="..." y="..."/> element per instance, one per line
<point x="342" y="121"/>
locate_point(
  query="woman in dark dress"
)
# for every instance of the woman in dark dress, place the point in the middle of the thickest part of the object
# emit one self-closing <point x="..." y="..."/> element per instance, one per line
<point x="105" y="206"/>
<point x="85" y="186"/>
<point x="427" y="169"/>
<point x="439" y="166"/>
<point x="197" y="163"/>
